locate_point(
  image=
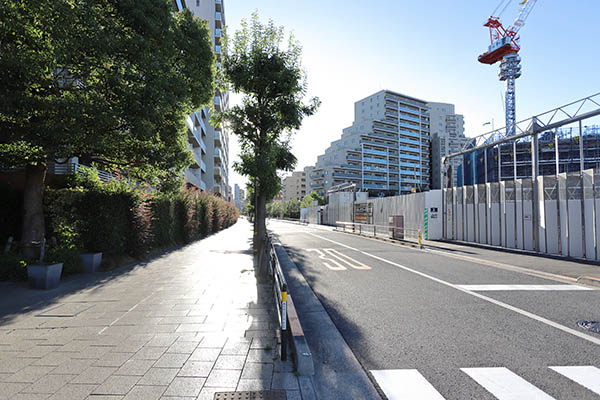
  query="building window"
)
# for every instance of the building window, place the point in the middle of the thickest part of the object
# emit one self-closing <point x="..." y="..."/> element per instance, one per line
<point x="197" y="3"/>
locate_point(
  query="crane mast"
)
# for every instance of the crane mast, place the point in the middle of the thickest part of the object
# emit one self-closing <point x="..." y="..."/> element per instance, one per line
<point x="505" y="47"/>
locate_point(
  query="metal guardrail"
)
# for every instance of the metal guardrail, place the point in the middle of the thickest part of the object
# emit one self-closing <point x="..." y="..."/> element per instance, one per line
<point x="372" y="229"/>
<point x="280" y="292"/>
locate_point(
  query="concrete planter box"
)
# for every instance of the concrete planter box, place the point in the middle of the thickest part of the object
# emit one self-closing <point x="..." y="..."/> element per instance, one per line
<point x="44" y="276"/>
<point x="90" y="261"/>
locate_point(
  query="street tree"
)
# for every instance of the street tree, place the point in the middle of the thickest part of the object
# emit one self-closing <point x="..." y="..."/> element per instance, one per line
<point x="110" y="82"/>
<point x="307" y="201"/>
<point x="267" y="71"/>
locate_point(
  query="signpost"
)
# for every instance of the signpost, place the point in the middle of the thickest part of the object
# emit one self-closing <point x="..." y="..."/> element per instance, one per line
<point x="426" y="223"/>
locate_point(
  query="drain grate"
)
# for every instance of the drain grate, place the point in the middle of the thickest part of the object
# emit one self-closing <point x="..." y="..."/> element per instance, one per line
<point x="262" y="395"/>
<point x="593" y="326"/>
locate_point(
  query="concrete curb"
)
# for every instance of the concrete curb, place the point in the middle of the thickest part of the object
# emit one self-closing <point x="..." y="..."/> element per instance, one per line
<point x="589" y="280"/>
<point x="302" y="354"/>
<point x="338" y="373"/>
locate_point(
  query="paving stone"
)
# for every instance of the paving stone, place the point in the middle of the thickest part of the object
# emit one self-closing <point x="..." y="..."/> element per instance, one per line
<point x="205" y="354"/>
<point x="183" y="347"/>
<point x="74" y="367"/>
<point x="262" y="343"/>
<point x="112" y="359"/>
<point x="254" y="384"/>
<point x="53" y="359"/>
<point x="162" y="341"/>
<point x="261" y="355"/>
<point x="29" y="374"/>
<point x="150" y="353"/>
<point x="213" y="342"/>
<point x="185" y="387"/>
<point x="135" y="367"/>
<point x="171" y="361"/>
<point x="230" y="362"/>
<point x="12" y="365"/>
<point x="208" y="393"/>
<point x="285" y="381"/>
<point x="49" y="384"/>
<point x="119" y="385"/>
<point x="145" y="393"/>
<point x="293" y="395"/>
<point x="236" y="347"/>
<point x="8" y="389"/>
<point x="196" y="369"/>
<point x="30" y="396"/>
<point x="95" y="375"/>
<point x="223" y="378"/>
<point x="158" y="376"/>
<point x="73" y="392"/>
<point x="262" y="371"/>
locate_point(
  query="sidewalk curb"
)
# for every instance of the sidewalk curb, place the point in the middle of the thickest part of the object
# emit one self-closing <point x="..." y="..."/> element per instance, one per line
<point x="589" y="280"/>
<point x="338" y="373"/>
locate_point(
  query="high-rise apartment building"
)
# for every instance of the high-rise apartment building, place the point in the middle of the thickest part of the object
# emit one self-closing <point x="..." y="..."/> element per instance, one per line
<point x="239" y="197"/>
<point x="447" y="137"/>
<point x="384" y="152"/>
<point x="294" y="186"/>
<point x="209" y="144"/>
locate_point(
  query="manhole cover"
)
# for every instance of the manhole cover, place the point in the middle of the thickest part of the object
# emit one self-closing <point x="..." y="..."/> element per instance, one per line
<point x="263" y="395"/>
<point x="593" y="326"/>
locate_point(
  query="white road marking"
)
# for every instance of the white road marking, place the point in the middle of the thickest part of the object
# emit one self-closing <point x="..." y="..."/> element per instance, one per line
<point x="480" y="296"/>
<point x="482" y="288"/>
<point x="505" y="384"/>
<point x="339" y="267"/>
<point x="588" y="377"/>
<point x="348" y="260"/>
<point x="352" y="263"/>
<point x="405" y="384"/>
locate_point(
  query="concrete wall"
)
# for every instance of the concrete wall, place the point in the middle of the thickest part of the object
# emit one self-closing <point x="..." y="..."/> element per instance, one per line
<point x="554" y="215"/>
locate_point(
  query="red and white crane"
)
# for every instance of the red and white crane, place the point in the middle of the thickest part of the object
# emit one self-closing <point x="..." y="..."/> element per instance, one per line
<point x="505" y="47"/>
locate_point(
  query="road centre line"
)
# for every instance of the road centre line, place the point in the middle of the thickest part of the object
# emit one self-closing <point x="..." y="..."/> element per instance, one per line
<point x="474" y="294"/>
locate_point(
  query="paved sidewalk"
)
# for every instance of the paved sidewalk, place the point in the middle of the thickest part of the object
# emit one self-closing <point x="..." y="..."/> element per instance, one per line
<point x="183" y="325"/>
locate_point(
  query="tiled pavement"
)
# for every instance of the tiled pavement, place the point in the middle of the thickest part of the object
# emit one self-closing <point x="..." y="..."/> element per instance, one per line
<point x="184" y="325"/>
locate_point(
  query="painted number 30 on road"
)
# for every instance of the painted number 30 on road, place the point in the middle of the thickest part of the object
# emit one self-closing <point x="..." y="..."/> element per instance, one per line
<point x="336" y="261"/>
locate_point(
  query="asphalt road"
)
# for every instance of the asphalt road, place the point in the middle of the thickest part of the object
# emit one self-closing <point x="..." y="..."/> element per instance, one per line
<point x="421" y="330"/>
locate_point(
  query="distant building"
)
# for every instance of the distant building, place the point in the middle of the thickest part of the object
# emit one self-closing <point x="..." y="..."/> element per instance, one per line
<point x="294" y="186"/>
<point x="384" y="152"/>
<point x="239" y="199"/>
<point x="447" y="137"/>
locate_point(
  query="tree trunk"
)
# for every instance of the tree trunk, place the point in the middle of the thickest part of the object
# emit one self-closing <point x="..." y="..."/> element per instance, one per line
<point x="261" y="235"/>
<point x="33" y="215"/>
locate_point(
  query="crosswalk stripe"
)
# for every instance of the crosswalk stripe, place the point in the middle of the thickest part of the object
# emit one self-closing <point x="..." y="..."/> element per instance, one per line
<point x="505" y="384"/>
<point x="405" y="384"/>
<point x="485" y="288"/>
<point x="588" y="377"/>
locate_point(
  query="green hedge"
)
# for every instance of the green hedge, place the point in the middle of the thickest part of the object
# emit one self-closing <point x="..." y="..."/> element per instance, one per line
<point x="117" y="219"/>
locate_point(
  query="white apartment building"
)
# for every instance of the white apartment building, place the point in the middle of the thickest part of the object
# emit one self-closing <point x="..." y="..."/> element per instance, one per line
<point x="294" y="186"/>
<point x="209" y="145"/>
<point x="384" y="152"/>
<point x="447" y="137"/>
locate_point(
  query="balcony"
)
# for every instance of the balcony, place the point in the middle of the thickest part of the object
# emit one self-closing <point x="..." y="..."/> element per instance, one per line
<point x="374" y="160"/>
<point x="317" y="175"/>
<point x="219" y="20"/>
<point x="372" y="151"/>
<point x="345" y="175"/>
<point x="217" y="50"/>
<point x="218" y="141"/>
<point x="383" y="136"/>
<point x="384" y="128"/>
<point x="409" y="133"/>
<point x="351" y="166"/>
<point x="380" y="144"/>
<point x="407" y="125"/>
<point x="375" y="177"/>
<point x="410" y="157"/>
<point x="411" y="149"/>
<point x="375" y="169"/>
<point x="218" y="156"/>
<point x="410" y="118"/>
<point x="218" y="5"/>
<point x="409" y="110"/>
<point x="374" y="186"/>
<point x="317" y="185"/>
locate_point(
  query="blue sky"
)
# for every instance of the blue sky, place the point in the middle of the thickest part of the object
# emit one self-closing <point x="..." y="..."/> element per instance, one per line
<point x="428" y="49"/>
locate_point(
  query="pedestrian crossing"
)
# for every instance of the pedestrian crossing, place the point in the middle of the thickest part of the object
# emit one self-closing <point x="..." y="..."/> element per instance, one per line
<point x="501" y="382"/>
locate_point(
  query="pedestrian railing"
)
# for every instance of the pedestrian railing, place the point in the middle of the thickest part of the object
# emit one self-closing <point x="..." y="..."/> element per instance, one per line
<point x="393" y="232"/>
<point x="280" y="294"/>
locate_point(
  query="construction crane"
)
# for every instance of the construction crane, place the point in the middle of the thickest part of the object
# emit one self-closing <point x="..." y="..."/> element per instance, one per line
<point x="505" y="47"/>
